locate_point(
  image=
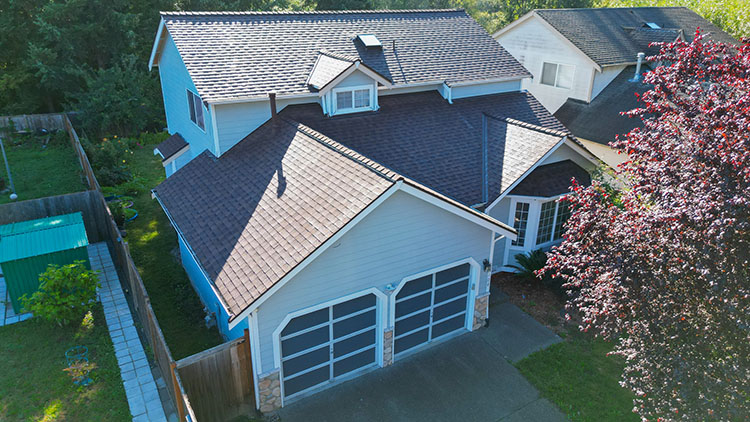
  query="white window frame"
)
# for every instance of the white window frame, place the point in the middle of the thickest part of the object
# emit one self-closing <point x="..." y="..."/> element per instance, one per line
<point x="557" y="75"/>
<point x="352" y="109"/>
<point x="192" y="96"/>
<point x="514" y="207"/>
<point x="551" y="240"/>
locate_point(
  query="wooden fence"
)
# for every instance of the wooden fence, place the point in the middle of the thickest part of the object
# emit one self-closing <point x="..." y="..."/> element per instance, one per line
<point x="32" y="122"/>
<point x="220" y="381"/>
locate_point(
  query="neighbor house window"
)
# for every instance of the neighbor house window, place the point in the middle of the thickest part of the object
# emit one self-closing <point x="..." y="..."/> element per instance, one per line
<point x="349" y="100"/>
<point x="195" y="105"/>
<point x="552" y="217"/>
<point x="559" y="75"/>
<point x="520" y="221"/>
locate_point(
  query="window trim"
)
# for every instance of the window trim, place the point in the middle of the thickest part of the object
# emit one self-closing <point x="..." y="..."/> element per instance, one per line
<point x="513" y="211"/>
<point x="552" y="240"/>
<point x="192" y="96"/>
<point x="334" y="102"/>
<point x="557" y="75"/>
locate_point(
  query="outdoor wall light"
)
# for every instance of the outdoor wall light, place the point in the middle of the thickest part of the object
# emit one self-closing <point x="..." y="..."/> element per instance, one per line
<point x="487" y="266"/>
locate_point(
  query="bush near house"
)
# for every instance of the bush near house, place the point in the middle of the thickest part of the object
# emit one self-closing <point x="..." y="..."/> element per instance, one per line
<point x="65" y="293"/>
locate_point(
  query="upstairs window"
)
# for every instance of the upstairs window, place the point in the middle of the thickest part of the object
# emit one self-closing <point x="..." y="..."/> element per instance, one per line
<point x="195" y="105"/>
<point x="352" y="99"/>
<point x="552" y="217"/>
<point x="520" y="221"/>
<point x="558" y="75"/>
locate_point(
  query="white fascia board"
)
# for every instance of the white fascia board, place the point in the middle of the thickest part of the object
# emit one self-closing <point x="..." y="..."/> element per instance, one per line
<point x="310" y="258"/>
<point x="584" y="152"/>
<point x="467" y="213"/>
<point x="526" y="173"/>
<point x="157" y="43"/>
<point x="513" y="24"/>
<point x="174" y="156"/>
<point x="488" y="81"/>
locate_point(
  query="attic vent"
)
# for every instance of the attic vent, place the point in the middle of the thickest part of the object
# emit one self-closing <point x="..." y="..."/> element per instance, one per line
<point x="652" y="25"/>
<point x="370" y="40"/>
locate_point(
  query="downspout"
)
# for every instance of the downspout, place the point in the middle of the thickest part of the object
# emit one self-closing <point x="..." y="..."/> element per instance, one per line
<point x="485" y="160"/>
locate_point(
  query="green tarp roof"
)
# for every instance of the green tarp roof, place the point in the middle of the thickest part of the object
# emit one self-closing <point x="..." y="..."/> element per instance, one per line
<point x="39" y="237"/>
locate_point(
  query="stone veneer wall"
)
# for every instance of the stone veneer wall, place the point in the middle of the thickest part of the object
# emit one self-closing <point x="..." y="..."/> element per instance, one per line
<point x="388" y="347"/>
<point x="481" y="304"/>
<point x="269" y="390"/>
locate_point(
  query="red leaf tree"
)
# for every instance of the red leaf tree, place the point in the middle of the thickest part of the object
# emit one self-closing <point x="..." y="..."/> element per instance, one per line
<point x="663" y="265"/>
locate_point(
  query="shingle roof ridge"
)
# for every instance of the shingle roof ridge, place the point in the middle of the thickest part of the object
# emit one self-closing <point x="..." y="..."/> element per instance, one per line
<point x="581" y="9"/>
<point x="339" y="56"/>
<point x="349" y="153"/>
<point x="531" y="126"/>
<point x="304" y="12"/>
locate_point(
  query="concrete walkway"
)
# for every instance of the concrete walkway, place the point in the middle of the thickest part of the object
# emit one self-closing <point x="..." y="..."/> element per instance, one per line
<point x="140" y="388"/>
<point x="467" y="378"/>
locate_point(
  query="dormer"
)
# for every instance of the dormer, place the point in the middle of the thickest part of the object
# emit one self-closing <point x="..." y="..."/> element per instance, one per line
<point x="345" y="84"/>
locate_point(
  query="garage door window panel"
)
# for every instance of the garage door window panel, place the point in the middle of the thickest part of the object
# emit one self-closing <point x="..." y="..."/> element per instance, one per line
<point x="448" y="326"/>
<point x="415" y="304"/>
<point x="412" y="340"/>
<point x="306" y="361"/>
<point x="353" y="324"/>
<point x="451" y="308"/>
<point x="353" y="362"/>
<point x="452" y="274"/>
<point x="415" y="286"/>
<point x="451" y="291"/>
<point x="303" y="322"/>
<point x="307" y="380"/>
<point x="305" y="341"/>
<point x="354" y="343"/>
<point x="413" y="322"/>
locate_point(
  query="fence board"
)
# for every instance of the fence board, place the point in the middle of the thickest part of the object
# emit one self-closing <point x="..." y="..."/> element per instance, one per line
<point x="32" y="122"/>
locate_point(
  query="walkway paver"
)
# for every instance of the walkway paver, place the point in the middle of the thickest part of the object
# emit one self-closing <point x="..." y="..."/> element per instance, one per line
<point x="140" y="388"/>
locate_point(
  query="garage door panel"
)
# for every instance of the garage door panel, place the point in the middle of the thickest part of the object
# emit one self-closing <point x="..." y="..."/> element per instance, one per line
<point x="354" y="305"/>
<point x="306" y="361"/>
<point x="413" y="322"/>
<point x="354" y="362"/>
<point x="448" y="326"/>
<point x="412" y="305"/>
<point x="446" y="276"/>
<point x="359" y="341"/>
<point x="415" y="339"/>
<point x="353" y="324"/>
<point x="415" y="286"/>
<point x="305" y="321"/>
<point x="449" y="292"/>
<point x="304" y="341"/>
<point x="306" y="380"/>
<point x="449" y="308"/>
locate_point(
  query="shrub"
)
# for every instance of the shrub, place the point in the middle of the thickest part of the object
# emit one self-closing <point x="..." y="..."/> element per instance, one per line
<point x="65" y="293"/>
<point x="108" y="160"/>
<point x="529" y="263"/>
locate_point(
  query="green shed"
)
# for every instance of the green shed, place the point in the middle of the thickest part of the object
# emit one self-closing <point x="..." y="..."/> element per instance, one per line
<point x="28" y="247"/>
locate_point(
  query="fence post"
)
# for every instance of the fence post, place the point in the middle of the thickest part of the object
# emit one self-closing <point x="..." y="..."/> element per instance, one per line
<point x="177" y="392"/>
<point x="250" y="365"/>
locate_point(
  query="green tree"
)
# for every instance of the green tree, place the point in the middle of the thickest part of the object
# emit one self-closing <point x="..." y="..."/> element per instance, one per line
<point x="65" y="293"/>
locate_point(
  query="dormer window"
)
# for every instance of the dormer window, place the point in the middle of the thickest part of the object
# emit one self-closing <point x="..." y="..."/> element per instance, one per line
<point x="352" y="99"/>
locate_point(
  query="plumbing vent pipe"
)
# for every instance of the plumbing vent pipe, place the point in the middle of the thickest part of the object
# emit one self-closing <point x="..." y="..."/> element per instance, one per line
<point x="637" y="76"/>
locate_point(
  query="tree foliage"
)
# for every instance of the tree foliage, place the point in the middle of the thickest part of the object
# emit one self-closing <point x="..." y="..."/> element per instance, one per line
<point x="667" y="270"/>
<point x="65" y="293"/>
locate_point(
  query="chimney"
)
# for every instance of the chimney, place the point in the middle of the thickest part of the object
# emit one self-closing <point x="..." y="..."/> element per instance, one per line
<point x="637" y="76"/>
<point x="272" y="99"/>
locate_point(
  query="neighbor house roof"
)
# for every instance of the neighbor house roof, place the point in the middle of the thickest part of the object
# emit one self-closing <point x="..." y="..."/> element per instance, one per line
<point x="612" y="36"/>
<point x="233" y="56"/>
<point x="170" y="146"/>
<point x="262" y="208"/>
<point x="600" y="120"/>
<point x="552" y="179"/>
<point x="440" y="145"/>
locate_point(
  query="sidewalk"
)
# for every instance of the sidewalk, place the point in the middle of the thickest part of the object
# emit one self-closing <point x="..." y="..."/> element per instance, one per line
<point x="140" y="387"/>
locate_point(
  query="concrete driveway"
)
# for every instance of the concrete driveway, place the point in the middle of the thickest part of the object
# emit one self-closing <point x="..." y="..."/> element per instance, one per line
<point x="467" y="378"/>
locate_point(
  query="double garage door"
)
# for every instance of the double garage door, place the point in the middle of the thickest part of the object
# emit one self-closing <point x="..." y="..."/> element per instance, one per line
<point x="329" y="343"/>
<point x="325" y="345"/>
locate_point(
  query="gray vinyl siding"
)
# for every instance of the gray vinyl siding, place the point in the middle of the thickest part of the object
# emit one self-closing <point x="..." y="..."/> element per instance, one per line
<point x="403" y="236"/>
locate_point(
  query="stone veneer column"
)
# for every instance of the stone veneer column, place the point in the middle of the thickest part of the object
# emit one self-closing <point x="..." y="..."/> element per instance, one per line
<point x="481" y="304"/>
<point x="388" y="347"/>
<point x="269" y="391"/>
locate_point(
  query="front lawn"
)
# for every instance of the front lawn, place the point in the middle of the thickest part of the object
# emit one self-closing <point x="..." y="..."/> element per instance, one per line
<point x="33" y="386"/>
<point x="40" y="170"/>
<point x="152" y="241"/>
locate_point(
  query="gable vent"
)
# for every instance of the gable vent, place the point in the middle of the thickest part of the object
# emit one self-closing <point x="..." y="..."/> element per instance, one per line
<point x="370" y="41"/>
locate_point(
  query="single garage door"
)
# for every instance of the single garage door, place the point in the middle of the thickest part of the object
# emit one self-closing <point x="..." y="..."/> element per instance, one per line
<point x="326" y="344"/>
<point x="431" y="306"/>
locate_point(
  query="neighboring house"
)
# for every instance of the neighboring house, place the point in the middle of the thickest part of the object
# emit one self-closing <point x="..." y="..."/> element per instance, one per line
<point x="343" y="184"/>
<point x="584" y="62"/>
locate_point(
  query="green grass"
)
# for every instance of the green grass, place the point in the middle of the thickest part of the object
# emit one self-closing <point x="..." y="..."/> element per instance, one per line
<point x="580" y="379"/>
<point x="151" y="239"/>
<point x="38" y="172"/>
<point x="33" y="386"/>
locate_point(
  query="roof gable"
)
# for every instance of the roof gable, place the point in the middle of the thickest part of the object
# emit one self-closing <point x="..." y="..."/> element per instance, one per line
<point x="242" y="56"/>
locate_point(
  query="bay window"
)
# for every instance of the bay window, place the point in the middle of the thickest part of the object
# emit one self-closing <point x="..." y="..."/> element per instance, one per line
<point x="520" y="221"/>
<point x="552" y="217"/>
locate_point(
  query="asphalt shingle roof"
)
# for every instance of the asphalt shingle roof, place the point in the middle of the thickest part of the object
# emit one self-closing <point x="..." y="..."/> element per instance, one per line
<point x="600" y="121"/>
<point x="171" y="146"/>
<point x="327" y="67"/>
<point x="611" y="36"/>
<point x="438" y="144"/>
<point x="552" y="179"/>
<point x="235" y="55"/>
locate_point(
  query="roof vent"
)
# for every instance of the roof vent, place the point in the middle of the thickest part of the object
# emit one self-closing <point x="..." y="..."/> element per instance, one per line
<point x="652" y="25"/>
<point x="370" y="41"/>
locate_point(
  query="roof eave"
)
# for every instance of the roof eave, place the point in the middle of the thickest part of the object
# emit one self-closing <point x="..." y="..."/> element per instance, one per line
<point x="155" y="50"/>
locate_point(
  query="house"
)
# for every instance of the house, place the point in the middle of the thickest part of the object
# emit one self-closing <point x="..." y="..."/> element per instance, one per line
<point x="343" y="184"/>
<point x="585" y="62"/>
